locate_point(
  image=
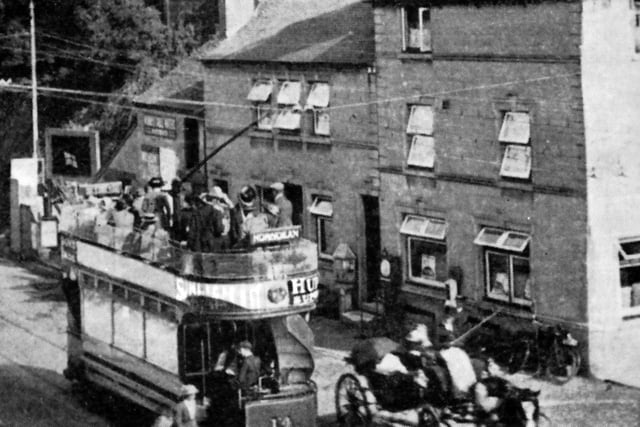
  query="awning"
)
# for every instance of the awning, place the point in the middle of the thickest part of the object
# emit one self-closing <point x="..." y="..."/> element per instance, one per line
<point x="321" y="207"/>
<point x="515" y="128"/>
<point x="430" y="228"/>
<point x="420" y="120"/>
<point x="261" y="91"/>
<point x="289" y="93"/>
<point x="318" y="96"/>
<point x="506" y="240"/>
<point x="288" y="119"/>
<point x="516" y="162"/>
<point x="629" y="250"/>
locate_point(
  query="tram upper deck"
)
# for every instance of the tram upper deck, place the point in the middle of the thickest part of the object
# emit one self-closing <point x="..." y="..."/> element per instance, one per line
<point x="276" y="274"/>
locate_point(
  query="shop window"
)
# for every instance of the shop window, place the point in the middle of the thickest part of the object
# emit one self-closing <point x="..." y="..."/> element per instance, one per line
<point x="506" y="262"/>
<point x="260" y="95"/>
<point x="426" y="249"/>
<point x="322" y="212"/>
<point x="515" y="134"/>
<point x="317" y="102"/>
<point x="629" y="258"/>
<point x="419" y="134"/>
<point x="416" y="33"/>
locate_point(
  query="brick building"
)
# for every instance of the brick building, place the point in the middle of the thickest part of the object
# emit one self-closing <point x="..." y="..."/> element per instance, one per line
<point x="497" y="168"/>
<point x="293" y="68"/>
<point x="492" y="142"/>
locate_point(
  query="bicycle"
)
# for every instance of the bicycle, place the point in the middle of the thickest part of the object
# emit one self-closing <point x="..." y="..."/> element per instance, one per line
<point x="551" y="352"/>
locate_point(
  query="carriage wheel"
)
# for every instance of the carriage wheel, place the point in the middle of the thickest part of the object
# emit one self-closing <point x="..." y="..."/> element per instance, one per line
<point x="352" y="408"/>
<point x="429" y="418"/>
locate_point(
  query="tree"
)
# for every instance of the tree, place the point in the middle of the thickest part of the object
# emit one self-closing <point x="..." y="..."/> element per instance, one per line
<point x="114" y="46"/>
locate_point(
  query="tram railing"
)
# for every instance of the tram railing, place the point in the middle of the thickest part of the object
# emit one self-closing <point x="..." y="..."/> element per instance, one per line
<point x="252" y="263"/>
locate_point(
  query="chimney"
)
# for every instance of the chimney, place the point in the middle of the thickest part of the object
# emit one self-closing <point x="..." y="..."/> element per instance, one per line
<point x="234" y="14"/>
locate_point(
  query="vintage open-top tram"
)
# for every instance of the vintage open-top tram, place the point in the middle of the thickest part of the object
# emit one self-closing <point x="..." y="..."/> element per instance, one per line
<point x="146" y="317"/>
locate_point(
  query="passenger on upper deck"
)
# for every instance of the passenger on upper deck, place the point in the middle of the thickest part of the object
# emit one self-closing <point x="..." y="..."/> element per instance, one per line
<point x="245" y="219"/>
<point x="273" y="213"/>
<point x="122" y="221"/>
<point x="222" y="203"/>
<point x="205" y="226"/>
<point x="284" y="205"/>
<point x="154" y="240"/>
<point x="157" y="202"/>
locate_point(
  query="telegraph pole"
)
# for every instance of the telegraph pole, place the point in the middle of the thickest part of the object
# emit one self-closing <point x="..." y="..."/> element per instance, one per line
<point x="34" y="83"/>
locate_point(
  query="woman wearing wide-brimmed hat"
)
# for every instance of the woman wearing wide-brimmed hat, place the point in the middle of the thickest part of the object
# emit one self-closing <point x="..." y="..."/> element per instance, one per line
<point x="184" y="413"/>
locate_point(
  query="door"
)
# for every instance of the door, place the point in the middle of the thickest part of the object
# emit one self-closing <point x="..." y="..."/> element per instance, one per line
<point x="372" y="246"/>
<point x="191" y="143"/>
<point x="294" y="194"/>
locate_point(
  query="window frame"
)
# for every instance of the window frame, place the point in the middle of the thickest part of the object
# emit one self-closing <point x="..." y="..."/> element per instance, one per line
<point x="405" y="29"/>
<point x="413" y="133"/>
<point x="321" y="222"/>
<point x="511" y="145"/>
<point x="635" y="7"/>
<point x="510" y="298"/>
<point x="628" y="261"/>
<point x="422" y="236"/>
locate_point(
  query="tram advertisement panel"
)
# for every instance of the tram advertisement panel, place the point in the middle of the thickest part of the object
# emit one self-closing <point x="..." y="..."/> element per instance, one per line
<point x="254" y="296"/>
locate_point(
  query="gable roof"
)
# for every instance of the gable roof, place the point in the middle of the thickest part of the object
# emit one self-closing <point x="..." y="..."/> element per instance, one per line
<point x="302" y="31"/>
<point x="184" y="82"/>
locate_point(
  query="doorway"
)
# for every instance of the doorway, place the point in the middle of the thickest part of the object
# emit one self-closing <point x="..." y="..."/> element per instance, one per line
<point x="294" y="194"/>
<point x="371" y="208"/>
<point x="191" y="143"/>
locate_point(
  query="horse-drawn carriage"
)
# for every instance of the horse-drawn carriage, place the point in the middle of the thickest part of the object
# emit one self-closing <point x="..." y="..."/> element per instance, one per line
<point x="394" y="385"/>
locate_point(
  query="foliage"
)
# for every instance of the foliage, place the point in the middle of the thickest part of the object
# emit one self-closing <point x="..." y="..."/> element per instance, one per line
<point x="114" y="46"/>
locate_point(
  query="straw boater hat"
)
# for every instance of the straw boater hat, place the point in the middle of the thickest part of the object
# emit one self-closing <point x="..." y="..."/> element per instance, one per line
<point x="278" y="186"/>
<point x="156" y="182"/>
<point x="188" y="390"/>
<point x="246" y="198"/>
<point x="245" y="344"/>
<point x="219" y="194"/>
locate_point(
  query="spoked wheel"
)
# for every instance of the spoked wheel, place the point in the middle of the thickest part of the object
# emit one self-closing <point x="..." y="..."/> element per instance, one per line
<point x="563" y="363"/>
<point x="429" y="418"/>
<point x="352" y="408"/>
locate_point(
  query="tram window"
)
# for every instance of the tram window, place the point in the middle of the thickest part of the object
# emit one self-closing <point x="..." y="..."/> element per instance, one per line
<point x="87" y="280"/>
<point x="168" y="310"/>
<point x="135" y="298"/>
<point x="196" y="349"/>
<point x="103" y="286"/>
<point x="119" y="292"/>
<point x="151" y="304"/>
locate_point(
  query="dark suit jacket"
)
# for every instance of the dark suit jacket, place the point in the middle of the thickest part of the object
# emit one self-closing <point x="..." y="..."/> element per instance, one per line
<point x="285" y="211"/>
<point x="249" y="372"/>
<point x="181" y="416"/>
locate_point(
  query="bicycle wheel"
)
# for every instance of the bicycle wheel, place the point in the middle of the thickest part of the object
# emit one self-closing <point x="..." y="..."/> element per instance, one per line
<point x="563" y="363"/>
<point x="352" y="408"/>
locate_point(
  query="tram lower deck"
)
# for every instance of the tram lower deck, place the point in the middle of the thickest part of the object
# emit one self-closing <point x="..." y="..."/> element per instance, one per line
<point x="143" y="331"/>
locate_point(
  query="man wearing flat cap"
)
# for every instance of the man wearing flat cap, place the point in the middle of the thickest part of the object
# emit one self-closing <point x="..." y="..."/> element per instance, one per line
<point x="284" y="205"/>
<point x="184" y="413"/>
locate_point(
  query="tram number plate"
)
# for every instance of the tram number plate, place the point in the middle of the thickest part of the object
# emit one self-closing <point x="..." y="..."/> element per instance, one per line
<point x="303" y="290"/>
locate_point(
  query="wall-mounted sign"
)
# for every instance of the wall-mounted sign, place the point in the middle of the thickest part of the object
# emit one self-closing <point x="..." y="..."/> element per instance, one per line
<point x="164" y="127"/>
<point x="72" y="153"/>
<point x="275" y="235"/>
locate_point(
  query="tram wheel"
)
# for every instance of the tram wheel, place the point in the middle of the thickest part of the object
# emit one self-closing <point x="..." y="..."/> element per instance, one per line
<point x="352" y="408"/>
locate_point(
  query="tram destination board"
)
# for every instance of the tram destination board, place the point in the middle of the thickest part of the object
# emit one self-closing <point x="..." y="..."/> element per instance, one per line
<point x="276" y="235"/>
